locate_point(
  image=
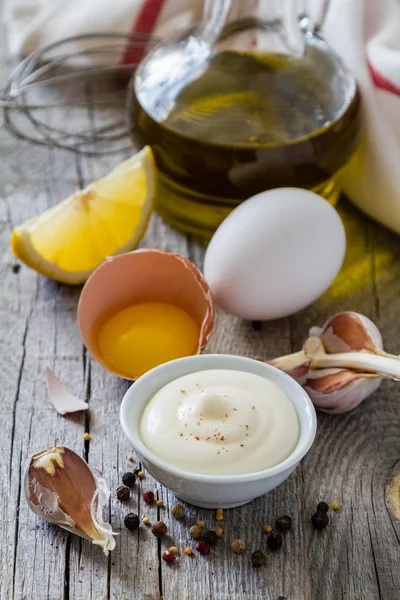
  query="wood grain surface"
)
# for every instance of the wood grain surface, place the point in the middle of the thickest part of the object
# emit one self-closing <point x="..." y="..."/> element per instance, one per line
<point x="354" y="456"/>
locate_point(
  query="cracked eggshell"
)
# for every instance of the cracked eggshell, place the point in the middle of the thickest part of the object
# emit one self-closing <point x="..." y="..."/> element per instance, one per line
<point x="275" y="254"/>
<point x="145" y="275"/>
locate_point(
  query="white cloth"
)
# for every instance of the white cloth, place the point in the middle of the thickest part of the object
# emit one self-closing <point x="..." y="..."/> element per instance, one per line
<point x="366" y="33"/>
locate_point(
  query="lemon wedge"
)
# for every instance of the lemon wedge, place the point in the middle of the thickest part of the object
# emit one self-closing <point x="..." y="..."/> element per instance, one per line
<point x="110" y="216"/>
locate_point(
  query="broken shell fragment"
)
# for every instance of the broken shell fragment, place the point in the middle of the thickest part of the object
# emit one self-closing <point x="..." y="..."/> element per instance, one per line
<point x="62" y="489"/>
<point x="63" y="401"/>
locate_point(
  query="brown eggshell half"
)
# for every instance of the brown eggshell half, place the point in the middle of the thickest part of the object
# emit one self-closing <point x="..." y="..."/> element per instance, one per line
<point x="145" y="275"/>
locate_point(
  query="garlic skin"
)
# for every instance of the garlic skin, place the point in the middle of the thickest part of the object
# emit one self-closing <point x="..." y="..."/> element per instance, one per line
<point x="62" y="489"/>
<point x="337" y="391"/>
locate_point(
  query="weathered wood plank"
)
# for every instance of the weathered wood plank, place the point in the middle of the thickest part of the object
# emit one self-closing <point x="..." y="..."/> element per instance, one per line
<point x="354" y="454"/>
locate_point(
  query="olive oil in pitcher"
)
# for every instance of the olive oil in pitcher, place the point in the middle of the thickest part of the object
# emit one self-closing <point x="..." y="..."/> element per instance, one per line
<point x="233" y="120"/>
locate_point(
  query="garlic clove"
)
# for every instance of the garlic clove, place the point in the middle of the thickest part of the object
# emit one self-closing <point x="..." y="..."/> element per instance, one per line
<point x="384" y="366"/>
<point x="63" y="401"/>
<point x="296" y="365"/>
<point x="337" y="391"/>
<point x="62" y="489"/>
<point x="350" y="331"/>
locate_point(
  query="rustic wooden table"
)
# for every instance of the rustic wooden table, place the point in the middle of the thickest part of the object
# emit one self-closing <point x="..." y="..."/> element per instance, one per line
<point x="352" y="461"/>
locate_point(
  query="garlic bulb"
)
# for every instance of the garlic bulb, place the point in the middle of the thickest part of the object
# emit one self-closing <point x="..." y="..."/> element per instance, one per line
<point x="62" y="489"/>
<point x="342" y="363"/>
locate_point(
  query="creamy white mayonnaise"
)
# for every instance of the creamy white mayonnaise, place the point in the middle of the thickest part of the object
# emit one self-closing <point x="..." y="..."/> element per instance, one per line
<point x="220" y="422"/>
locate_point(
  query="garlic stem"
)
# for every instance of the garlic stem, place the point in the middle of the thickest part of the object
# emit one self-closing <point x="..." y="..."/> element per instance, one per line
<point x="296" y="365"/>
<point x="361" y="360"/>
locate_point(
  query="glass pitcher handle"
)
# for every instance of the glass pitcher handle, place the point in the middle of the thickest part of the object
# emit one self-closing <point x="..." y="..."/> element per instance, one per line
<point x="312" y="18"/>
<point x="214" y="18"/>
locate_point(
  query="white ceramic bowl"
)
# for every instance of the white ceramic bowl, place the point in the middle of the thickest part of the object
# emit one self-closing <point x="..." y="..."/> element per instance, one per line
<point x="213" y="491"/>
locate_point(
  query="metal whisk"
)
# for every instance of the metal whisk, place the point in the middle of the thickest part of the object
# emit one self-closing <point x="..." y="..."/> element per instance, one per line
<point x="71" y="94"/>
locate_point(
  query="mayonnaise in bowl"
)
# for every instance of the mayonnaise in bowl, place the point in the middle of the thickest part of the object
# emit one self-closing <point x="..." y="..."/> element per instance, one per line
<point x="220" y="422"/>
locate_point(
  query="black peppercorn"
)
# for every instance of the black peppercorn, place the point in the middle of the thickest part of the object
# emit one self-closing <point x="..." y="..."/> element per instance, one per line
<point x="123" y="492"/>
<point x="320" y="520"/>
<point x="322" y="507"/>
<point x="274" y="541"/>
<point x="283" y="523"/>
<point x="131" y="521"/>
<point x="128" y="478"/>
<point x="258" y="558"/>
<point x="210" y="537"/>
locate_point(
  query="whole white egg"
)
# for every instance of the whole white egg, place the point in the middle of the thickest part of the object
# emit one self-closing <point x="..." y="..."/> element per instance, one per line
<point x="275" y="254"/>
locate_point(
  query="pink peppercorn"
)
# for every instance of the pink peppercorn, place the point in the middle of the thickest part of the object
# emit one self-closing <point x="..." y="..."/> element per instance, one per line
<point x="203" y="547"/>
<point x="148" y="497"/>
<point x="168" y="557"/>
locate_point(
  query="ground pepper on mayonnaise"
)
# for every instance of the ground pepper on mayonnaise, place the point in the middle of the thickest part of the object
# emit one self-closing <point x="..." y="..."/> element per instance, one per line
<point x="220" y="422"/>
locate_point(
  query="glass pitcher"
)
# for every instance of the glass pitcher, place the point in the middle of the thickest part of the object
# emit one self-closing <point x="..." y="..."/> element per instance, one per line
<point x="251" y="99"/>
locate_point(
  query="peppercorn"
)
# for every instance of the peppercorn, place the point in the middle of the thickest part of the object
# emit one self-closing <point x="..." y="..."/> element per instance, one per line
<point x="148" y="497"/>
<point x="274" y="541"/>
<point x="131" y="521"/>
<point x="168" y="557"/>
<point x="123" y="492"/>
<point x="128" y="478"/>
<point x="159" y="503"/>
<point x="173" y="550"/>
<point x="188" y="551"/>
<point x="130" y="458"/>
<point x="140" y="474"/>
<point x="178" y="511"/>
<point x="238" y="546"/>
<point x="86" y="436"/>
<point x="200" y="523"/>
<point x="322" y="507"/>
<point x="267" y="528"/>
<point x="258" y="558"/>
<point x="196" y="532"/>
<point x="146" y="520"/>
<point x="335" y="506"/>
<point x="203" y="547"/>
<point x="159" y="529"/>
<point x="210" y="537"/>
<point x="283" y="523"/>
<point x="218" y="530"/>
<point x="320" y="520"/>
<point x="219" y="514"/>
<point x="137" y="471"/>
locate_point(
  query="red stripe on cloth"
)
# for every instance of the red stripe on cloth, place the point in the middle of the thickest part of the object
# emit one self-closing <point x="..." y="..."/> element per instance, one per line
<point x="144" y="23"/>
<point x="383" y="83"/>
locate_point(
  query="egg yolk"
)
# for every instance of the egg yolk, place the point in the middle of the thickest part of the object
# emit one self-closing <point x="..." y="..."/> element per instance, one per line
<point x="140" y="337"/>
